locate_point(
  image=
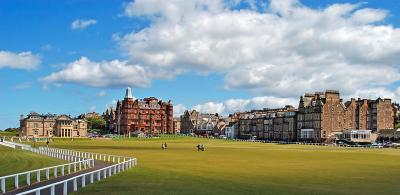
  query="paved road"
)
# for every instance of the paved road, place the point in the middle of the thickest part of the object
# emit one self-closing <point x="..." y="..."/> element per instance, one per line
<point x="59" y="188"/>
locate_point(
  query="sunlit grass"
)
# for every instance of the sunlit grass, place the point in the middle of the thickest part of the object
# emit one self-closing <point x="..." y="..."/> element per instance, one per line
<point x="228" y="167"/>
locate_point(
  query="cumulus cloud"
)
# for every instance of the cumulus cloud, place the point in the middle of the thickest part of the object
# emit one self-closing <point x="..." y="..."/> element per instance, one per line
<point x="24" y="60"/>
<point x="82" y="24"/>
<point x="99" y="74"/>
<point x="238" y="105"/>
<point x="282" y="51"/>
<point x="179" y="109"/>
<point x="101" y="93"/>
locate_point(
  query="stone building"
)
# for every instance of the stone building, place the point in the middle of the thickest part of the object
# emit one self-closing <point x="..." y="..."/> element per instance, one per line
<point x="270" y="124"/>
<point x="177" y="125"/>
<point x="323" y="115"/>
<point x="111" y="120"/>
<point x="396" y="114"/>
<point x="90" y="115"/>
<point x="188" y="121"/>
<point x="49" y="125"/>
<point x="200" y="123"/>
<point x="149" y="115"/>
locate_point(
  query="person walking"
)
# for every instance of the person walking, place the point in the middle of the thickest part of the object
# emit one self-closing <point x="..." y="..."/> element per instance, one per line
<point x="47" y="143"/>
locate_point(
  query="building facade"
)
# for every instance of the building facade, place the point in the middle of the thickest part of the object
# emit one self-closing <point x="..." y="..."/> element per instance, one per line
<point x="177" y="125"/>
<point x="268" y="124"/>
<point x="49" y="125"/>
<point x="322" y="115"/>
<point x="149" y="116"/>
<point x="201" y="123"/>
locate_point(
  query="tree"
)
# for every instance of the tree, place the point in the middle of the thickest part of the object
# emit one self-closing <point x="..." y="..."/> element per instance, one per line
<point x="96" y="123"/>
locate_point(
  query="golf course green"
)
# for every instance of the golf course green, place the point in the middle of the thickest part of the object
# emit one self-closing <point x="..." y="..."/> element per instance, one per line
<point x="228" y="167"/>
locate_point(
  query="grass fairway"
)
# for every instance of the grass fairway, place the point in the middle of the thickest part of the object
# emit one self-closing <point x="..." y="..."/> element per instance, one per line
<point x="244" y="168"/>
<point x="15" y="161"/>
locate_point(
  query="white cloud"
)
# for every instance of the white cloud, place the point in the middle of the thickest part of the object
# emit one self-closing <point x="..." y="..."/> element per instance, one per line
<point x="210" y="107"/>
<point x="82" y="24"/>
<point x="236" y="105"/>
<point x="24" y="60"/>
<point x="101" y="93"/>
<point x="179" y="109"/>
<point x="282" y="52"/>
<point x="100" y="74"/>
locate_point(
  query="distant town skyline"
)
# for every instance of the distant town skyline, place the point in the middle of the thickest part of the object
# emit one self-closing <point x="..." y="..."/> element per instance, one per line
<point x="73" y="57"/>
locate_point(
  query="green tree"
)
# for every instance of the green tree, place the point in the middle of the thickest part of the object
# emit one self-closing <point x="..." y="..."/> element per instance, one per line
<point x="96" y="123"/>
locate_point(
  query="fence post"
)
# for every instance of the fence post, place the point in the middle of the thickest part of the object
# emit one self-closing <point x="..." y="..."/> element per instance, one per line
<point x="28" y="178"/>
<point x="91" y="178"/>
<point x="62" y="170"/>
<point x="38" y="176"/>
<point x="3" y="185"/>
<point x="16" y="181"/>
<point x="65" y="190"/>
<point x="55" y="171"/>
<point x="52" y="190"/>
<point x="83" y="181"/>
<point x="75" y="185"/>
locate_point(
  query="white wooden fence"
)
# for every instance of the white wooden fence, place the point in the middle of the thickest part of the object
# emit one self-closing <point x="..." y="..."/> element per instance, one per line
<point x="4" y="143"/>
<point x="96" y="156"/>
<point x="79" y="163"/>
<point x="123" y="163"/>
<point x="65" y="168"/>
<point x="99" y="174"/>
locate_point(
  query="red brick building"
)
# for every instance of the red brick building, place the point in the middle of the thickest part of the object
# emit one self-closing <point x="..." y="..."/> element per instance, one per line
<point x="323" y="115"/>
<point x="148" y="115"/>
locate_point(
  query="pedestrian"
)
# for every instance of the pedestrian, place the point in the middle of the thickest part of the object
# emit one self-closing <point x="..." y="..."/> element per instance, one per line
<point x="198" y="147"/>
<point x="47" y="143"/>
<point x="165" y="144"/>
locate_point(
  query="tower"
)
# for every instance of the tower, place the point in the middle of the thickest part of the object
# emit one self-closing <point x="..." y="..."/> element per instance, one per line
<point x="128" y="93"/>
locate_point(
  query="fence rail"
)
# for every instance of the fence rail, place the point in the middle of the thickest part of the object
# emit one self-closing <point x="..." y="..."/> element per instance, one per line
<point x="123" y="163"/>
<point x="99" y="174"/>
<point x="80" y="160"/>
<point x="78" y="163"/>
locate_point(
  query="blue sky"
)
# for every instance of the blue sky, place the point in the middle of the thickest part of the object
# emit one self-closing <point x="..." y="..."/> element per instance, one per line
<point x="176" y="66"/>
